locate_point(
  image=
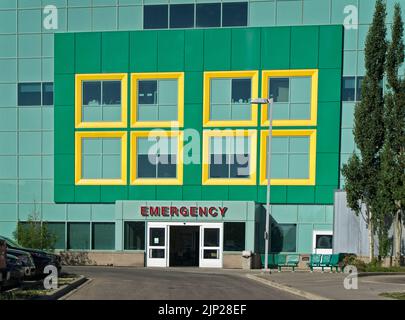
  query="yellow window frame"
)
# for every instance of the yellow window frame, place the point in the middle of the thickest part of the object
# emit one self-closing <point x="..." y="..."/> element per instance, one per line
<point x="310" y="181"/>
<point x="252" y="134"/>
<point x="180" y="99"/>
<point x="123" y="77"/>
<point x="156" y="181"/>
<point x="78" y="157"/>
<point x="254" y="75"/>
<point x="314" y="74"/>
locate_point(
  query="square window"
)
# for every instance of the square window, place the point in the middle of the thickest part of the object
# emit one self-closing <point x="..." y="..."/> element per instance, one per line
<point x="234" y="14"/>
<point x="293" y="157"/>
<point x="295" y="97"/>
<point x="156" y="157"/>
<point x="100" y="158"/>
<point x="228" y="157"/>
<point x="101" y="101"/>
<point x="208" y="15"/>
<point x="157" y="99"/>
<point x="155" y="17"/>
<point x="227" y="97"/>
<point x="182" y="16"/>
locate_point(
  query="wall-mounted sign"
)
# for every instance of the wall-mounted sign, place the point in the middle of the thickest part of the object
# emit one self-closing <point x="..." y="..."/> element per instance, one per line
<point x="186" y="211"/>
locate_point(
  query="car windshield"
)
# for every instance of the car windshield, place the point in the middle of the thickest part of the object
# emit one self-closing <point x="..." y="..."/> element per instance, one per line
<point x="10" y="242"/>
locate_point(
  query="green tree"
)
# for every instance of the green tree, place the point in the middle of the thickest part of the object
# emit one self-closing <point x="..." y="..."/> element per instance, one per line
<point x="392" y="187"/>
<point x="361" y="171"/>
<point x="35" y="233"/>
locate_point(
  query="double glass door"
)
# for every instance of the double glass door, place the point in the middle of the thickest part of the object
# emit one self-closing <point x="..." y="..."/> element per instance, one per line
<point x="209" y="250"/>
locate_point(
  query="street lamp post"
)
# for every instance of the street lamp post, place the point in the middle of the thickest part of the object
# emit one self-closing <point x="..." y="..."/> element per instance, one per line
<point x="269" y="104"/>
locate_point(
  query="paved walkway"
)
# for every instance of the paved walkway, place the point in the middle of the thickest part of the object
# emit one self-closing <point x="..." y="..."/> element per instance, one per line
<point x="110" y="283"/>
<point x="331" y="285"/>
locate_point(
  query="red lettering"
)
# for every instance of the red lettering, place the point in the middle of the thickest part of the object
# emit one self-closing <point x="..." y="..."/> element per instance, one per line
<point x="154" y="211"/>
<point x="202" y="211"/>
<point x="184" y="211"/>
<point x="165" y="211"/>
<point x="174" y="211"/>
<point x="193" y="211"/>
<point x="213" y="211"/>
<point x="223" y="210"/>
<point x="144" y="211"/>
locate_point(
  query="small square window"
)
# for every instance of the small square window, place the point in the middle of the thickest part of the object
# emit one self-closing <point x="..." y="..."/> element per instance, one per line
<point x="234" y="14"/>
<point x="155" y="17"/>
<point x="147" y="92"/>
<point x="279" y="89"/>
<point x="29" y="94"/>
<point x="182" y="16"/>
<point x="208" y="15"/>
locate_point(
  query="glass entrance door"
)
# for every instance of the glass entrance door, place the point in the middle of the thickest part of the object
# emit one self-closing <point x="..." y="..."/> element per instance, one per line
<point x="211" y="245"/>
<point x="157" y="239"/>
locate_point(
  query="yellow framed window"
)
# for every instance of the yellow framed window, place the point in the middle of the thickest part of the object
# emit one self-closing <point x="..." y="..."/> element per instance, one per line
<point x="227" y="95"/>
<point x="295" y="97"/>
<point x="101" y="100"/>
<point x="293" y="157"/>
<point x="229" y="157"/>
<point x="157" y="99"/>
<point x="100" y="158"/>
<point x="156" y="157"/>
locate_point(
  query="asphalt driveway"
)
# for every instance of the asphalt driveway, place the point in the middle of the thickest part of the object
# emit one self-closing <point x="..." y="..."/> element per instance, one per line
<point x="110" y="283"/>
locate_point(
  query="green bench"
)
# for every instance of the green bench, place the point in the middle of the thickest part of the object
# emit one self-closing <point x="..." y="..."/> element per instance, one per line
<point x="271" y="260"/>
<point x="288" y="260"/>
<point x="324" y="261"/>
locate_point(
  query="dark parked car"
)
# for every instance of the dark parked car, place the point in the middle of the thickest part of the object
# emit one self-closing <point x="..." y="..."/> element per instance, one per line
<point x="26" y="259"/>
<point x="41" y="258"/>
<point x="14" y="272"/>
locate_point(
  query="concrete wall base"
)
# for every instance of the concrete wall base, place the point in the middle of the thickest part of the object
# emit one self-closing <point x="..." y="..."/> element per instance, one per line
<point x="119" y="259"/>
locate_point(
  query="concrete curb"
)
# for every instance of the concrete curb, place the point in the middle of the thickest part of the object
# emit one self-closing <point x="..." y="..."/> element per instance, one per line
<point x="59" y="293"/>
<point x="77" y="288"/>
<point x="371" y="274"/>
<point x="297" y="292"/>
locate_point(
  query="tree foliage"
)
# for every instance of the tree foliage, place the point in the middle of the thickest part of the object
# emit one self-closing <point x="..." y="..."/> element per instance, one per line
<point x="391" y="195"/>
<point x="35" y="234"/>
<point x="362" y="171"/>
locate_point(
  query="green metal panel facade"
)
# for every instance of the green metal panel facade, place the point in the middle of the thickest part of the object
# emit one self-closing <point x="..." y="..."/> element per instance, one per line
<point x="201" y="50"/>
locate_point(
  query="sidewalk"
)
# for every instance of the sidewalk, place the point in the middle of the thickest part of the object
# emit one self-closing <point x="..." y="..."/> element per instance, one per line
<point x="328" y="285"/>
